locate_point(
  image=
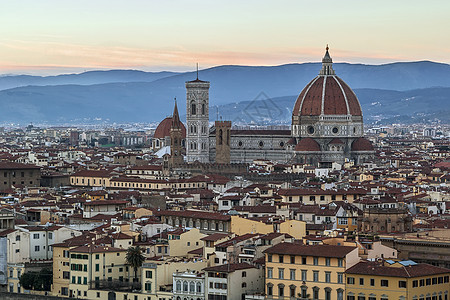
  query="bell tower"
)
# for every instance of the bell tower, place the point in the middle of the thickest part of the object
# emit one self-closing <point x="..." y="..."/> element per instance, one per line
<point x="197" y="120"/>
<point x="176" y="137"/>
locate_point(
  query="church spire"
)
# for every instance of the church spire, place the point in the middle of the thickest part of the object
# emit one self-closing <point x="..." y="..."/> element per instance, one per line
<point x="327" y="64"/>
<point x="176" y="123"/>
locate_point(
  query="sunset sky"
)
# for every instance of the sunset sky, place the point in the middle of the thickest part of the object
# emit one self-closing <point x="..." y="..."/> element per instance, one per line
<point x="55" y="36"/>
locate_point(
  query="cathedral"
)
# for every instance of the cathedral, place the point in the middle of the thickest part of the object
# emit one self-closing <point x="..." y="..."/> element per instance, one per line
<point x="327" y="127"/>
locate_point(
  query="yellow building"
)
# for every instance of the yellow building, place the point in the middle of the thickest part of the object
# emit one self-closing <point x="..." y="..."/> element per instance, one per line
<point x="319" y="196"/>
<point x="397" y="280"/>
<point x="91" y="178"/>
<point x="241" y="226"/>
<point x="180" y="244"/>
<point x="307" y="272"/>
<point x="61" y="263"/>
<point x="93" y="267"/>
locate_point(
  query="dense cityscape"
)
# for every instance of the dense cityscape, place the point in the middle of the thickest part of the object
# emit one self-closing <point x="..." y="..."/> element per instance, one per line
<point x="326" y="208"/>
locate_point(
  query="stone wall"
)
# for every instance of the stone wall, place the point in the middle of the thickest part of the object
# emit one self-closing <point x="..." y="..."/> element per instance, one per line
<point x="15" y="296"/>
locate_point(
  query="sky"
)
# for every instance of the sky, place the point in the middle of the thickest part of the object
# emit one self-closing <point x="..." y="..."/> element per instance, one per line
<point x="45" y="37"/>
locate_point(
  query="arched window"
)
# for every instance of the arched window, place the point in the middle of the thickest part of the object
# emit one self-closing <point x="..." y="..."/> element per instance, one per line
<point x="185" y="286"/>
<point x="244" y="284"/>
<point x="203" y="109"/>
<point x="178" y="286"/>
<point x="199" y="287"/>
<point x="193" y="108"/>
<point x="220" y="136"/>
<point x="192" y="287"/>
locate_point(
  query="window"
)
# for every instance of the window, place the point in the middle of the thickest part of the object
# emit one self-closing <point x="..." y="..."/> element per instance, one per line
<point x="269" y="290"/>
<point x="97" y="256"/>
<point x="50" y="235"/>
<point x="340" y="278"/>
<point x="66" y="275"/>
<point x="327" y="294"/>
<point x="327" y="276"/>
<point x="340" y="262"/>
<point x="303" y="260"/>
<point x="361" y="281"/>
<point x="292" y="291"/>
<point x="372" y="282"/>
<point x="269" y="257"/>
<point x="402" y="284"/>
<point x="244" y="274"/>
<point x="327" y="261"/>
<point x="292" y="259"/>
<point x="315" y="276"/>
<point x="281" y="290"/>
<point x="315" y="293"/>
<point x="97" y="267"/>
<point x="36" y="236"/>
<point x="304" y="277"/>
<point x="350" y="280"/>
<point x="280" y="273"/>
<point x="340" y="294"/>
<point x="36" y="248"/>
<point x="315" y="261"/>
<point x="281" y="258"/>
<point x="415" y="283"/>
<point x="269" y="272"/>
<point x="148" y="286"/>
<point x="292" y="274"/>
<point x="148" y="274"/>
<point x="384" y="282"/>
<point x="342" y="221"/>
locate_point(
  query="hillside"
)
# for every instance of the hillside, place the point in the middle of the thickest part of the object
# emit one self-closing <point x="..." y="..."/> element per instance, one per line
<point x="402" y="89"/>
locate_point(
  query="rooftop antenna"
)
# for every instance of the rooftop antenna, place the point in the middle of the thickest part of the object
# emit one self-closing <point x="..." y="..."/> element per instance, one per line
<point x="197" y="71"/>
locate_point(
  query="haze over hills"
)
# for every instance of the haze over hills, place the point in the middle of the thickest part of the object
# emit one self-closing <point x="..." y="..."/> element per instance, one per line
<point x="386" y="91"/>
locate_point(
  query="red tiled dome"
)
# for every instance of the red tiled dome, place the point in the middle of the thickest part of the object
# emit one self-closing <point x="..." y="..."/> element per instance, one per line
<point x="327" y="94"/>
<point x="330" y="91"/>
<point x="362" y="144"/>
<point x="163" y="129"/>
<point x="307" y="144"/>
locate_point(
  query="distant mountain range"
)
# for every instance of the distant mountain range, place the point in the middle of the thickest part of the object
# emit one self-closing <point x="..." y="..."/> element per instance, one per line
<point x="398" y="91"/>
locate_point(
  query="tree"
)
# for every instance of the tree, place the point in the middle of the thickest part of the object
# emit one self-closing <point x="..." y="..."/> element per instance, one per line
<point x="135" y="259"/>
<point x="38" y="281"/>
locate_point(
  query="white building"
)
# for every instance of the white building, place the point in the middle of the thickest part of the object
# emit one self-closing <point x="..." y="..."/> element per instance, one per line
<point x="189" y="285"/>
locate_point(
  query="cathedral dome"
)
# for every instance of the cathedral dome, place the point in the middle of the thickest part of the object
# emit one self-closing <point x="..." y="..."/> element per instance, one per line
<point x="362" y="144"/>
<point x="327" y="94"/>
<point x="307" y="144"/>
<point x="163" y="129"/>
